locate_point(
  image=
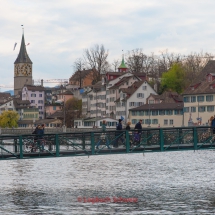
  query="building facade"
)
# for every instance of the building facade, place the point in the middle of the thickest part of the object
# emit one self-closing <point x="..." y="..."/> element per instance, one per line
<point x="199" y="97"/>
<point x="158" y="115"/>
<point x="36" y="96"/>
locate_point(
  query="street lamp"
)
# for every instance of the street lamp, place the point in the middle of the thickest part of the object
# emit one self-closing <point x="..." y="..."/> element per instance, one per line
<point x="149" y="115"/>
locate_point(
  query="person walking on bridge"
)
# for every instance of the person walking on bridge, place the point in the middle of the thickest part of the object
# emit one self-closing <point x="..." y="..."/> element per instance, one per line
<point x="119" y="135"/>
<point x="103" y="136"/>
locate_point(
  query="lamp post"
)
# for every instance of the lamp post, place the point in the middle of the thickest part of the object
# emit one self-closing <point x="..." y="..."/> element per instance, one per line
<point x="149" y="115"/>
<point x="64" y="116"/>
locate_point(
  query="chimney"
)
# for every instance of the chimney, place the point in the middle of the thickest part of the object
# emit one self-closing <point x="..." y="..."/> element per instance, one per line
<point x="41" y="82"/>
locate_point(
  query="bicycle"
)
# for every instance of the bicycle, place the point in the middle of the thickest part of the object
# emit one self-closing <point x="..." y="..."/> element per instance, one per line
<point x="37" y="145"/>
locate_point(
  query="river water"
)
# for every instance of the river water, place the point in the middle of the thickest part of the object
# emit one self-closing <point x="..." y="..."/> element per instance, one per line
<point x="163" y="183"/>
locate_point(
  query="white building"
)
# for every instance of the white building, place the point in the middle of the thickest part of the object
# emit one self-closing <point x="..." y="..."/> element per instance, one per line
<point x="133" y="96"/>
<point x="36" y="96"/>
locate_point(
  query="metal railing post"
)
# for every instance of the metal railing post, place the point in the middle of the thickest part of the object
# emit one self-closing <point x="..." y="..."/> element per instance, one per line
<point x="161" y="140"/>
<point x="127" y="141"/>
<point x="92" y="143"/>
<point x="83" y="141"/>
<point x="195" y="138"/>
<point x="57" y="145"/>
<point x="20" y="147"/>
<point x="15" y="145"/>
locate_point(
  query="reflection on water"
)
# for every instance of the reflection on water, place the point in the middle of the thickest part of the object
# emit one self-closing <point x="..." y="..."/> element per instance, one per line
<point x="164" y="183"/>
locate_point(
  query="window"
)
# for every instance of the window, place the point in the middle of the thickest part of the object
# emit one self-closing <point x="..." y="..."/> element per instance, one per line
<point x="141" y="113"/>
<point x="144" y="87"/>
<point x="33" y="94"/>
<point x="154" y="113"/>
<point x="147" y="121"/>
<point x="186" y="99"/>
<point x="32" y="101"/>
<point x="186" y="109"/>
<point x="200" y="98"/>
<point x="134" y="121"/>
<point x="202" y="109"/>
<point x="54" y="107"/>
<point x="131" y="104"/>
<point x="178" y="112"/>
<point x="40" y="101"/>
<point x="151" y="101"/>
<point x="161" y="112"/>
<point x="193" y="98"/>
<point x="209" y="98"/>
<point x="140" y="95"/>
<point x="171" y="121"/>
<point x="168" y="112"/>
<point x="155" y="121"/>
<point x="134" y="113"/>
<point x="210" y="108"/>
<point x="193" y="109"/>
<point x="40" y="107"/>
<point x="165" y="122"/>
<point x="40" y="95"/>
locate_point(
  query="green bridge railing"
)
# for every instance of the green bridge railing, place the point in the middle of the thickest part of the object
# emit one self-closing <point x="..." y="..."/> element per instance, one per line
<point x="110" y="142"/>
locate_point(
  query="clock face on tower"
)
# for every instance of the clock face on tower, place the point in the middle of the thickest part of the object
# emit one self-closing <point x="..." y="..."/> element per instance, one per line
<point x="26" y="69"/>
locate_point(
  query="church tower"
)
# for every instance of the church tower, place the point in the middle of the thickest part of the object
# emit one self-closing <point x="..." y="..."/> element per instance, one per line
<point x="122" y="67"/>
<point x="22" y="68"/>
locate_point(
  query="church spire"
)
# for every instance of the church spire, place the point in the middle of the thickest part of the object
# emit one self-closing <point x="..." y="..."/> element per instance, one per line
<point x="23" y="55"/>
<point x="122" y="67"/>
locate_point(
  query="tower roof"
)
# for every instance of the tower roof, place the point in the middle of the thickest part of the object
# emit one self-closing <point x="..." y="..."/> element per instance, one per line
<point x="122" y="66"/>
<point x="23" y="55"/>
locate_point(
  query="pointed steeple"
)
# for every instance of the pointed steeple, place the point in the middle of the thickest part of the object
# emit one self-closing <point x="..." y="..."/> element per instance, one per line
<point x="122" y="66"/>
<point x="23" y="55"/>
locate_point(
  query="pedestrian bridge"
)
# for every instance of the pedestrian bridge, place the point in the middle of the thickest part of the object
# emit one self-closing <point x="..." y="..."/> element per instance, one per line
<point x="84" y="144"/>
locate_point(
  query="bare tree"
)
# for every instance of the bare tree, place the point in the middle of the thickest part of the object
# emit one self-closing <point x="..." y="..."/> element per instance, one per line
<point x="96" y="57"/>
<point x="79" y="64"/>
<point x="115" y="64"/>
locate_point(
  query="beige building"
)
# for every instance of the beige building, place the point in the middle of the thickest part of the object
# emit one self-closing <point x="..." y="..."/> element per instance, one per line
<point x="158" y="115"/>
<point x="199" y="97"/>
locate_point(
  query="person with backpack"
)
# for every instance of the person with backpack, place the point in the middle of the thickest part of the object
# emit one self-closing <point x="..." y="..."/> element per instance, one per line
<point x="119" y="134"/>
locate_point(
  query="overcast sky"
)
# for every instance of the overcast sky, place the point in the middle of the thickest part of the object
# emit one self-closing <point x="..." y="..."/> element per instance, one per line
<point x="58" y="31"/>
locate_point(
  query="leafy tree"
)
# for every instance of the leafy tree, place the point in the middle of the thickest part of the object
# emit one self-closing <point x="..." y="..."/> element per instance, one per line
<point x="174" y="79"/>
<point x="9" y="119"/>
<point x="73" y="109"/>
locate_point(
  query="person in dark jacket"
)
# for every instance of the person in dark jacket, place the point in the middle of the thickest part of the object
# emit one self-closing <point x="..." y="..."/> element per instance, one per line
<point x="138" y="126"/>
<point x="213" y="124"/>
<point x="119" y="134"/>
<point x="128" y="126"/>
